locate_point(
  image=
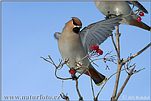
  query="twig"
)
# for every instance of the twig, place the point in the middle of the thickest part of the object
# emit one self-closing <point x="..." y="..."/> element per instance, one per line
<point x="65" y="97"/>
<point x="138" y="53"/>
<point x="101" y="89"/>
<point x="60" y="65"/>
<point x="136" y="71"/>
<point x="61" y="77"/>
<point x="78" y="91"/>
<point x="114" y="43"/>
<point x="128" y="65"/>
<point x="92" y="86"/>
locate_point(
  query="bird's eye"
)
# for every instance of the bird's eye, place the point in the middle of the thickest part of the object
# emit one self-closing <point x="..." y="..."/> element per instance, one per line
<point x="76" y="29"/>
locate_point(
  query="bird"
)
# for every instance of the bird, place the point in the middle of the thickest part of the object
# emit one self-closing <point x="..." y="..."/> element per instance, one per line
<point x="74" y="43"/>
<point x="114" y="8"/>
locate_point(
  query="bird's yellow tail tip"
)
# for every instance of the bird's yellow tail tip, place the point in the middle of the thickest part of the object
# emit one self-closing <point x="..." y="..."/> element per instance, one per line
<point x="102" y="82"/>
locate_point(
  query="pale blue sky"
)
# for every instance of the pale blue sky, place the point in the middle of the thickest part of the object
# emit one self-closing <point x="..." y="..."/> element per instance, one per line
<point x="27" y="34"/>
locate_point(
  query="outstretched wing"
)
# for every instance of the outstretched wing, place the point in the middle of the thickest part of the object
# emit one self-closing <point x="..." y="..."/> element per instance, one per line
<point x="98" y="32"/>
<point x="139" y="5"/>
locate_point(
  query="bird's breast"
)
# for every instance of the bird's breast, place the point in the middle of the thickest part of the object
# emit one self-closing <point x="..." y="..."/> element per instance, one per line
<point x="73" y="50"/>
<point x="113" y="7"/>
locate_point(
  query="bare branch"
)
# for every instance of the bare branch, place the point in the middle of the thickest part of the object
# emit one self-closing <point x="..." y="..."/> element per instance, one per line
<point x="107" y="81"/>
<point x="92" y="86"/>
<point x="61" y="77"/>
<point x="136" y="54"/>
<point x="65" y="97"/>
<point x="59" y="66"/>
<point x="118" y="42"/>
<point x="119" y="66"/>
<point x="136" y="71"/>
<point x="101" y="89"/>
<point x="108" y="57"/>
<point x="114" y="43"/>
<point x="125" y="83"/>
<point x="78" y="91"/>
<point x="130" y="72"/>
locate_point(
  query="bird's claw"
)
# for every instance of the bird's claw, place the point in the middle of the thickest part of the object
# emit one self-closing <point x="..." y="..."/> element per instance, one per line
<point x="74" y="77"/>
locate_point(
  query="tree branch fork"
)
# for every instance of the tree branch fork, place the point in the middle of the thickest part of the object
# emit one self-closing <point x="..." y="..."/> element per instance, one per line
<point x="123" y="62"/>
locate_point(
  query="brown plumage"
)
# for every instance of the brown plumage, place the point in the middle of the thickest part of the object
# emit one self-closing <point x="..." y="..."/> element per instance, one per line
<point x="142" y="25"/>
<point x="76" y="21"/>
<point x="97" y="77"/>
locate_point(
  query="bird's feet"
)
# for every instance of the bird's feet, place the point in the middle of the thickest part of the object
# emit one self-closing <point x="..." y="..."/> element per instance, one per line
<point x="110" y="15"/>
<point x="74" y="77"/>
<point x="72" y="71"/>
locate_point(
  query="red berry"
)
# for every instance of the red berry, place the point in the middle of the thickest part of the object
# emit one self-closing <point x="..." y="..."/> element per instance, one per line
<point x="141" y="13"/>
<point x="94" y="47"/>
<point x="139" y="19"/>
<point x="99" y="51"/>
<point x="72" y="71"/>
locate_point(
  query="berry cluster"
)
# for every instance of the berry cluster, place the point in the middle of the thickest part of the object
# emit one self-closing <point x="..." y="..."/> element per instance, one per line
<point x="139" y="19"/>
<point x="96" y="49"/>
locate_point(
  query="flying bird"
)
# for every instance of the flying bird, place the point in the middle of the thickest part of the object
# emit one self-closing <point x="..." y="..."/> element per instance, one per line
<point x="114" y="8"/>
<point x="74" y="44"/>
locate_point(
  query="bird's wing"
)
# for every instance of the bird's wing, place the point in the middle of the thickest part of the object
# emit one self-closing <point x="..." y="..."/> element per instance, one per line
<point x="98" y="32"/>
<point x="57" y="35"/>
<point x="139" y="5"/>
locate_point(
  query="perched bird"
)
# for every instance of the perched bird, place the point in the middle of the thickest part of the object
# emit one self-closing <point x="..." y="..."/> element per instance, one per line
<point x="74" y="44"/>
<point x="114" y="8"/>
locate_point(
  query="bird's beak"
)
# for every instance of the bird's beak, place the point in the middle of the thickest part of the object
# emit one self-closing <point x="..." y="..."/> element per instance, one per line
<point x="76" y="29"/>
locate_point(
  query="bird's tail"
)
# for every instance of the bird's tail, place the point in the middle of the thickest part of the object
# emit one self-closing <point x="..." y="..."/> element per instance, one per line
<point x="142" y="25"/>
<point x="97" y="77"/>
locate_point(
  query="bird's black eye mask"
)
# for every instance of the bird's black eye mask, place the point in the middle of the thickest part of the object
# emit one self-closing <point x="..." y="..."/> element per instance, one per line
<point x="77" y="25"/>
<point x="76" y="29"/>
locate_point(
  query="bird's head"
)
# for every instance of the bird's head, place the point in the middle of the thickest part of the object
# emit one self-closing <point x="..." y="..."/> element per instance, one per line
<point x="74" y="25"/>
